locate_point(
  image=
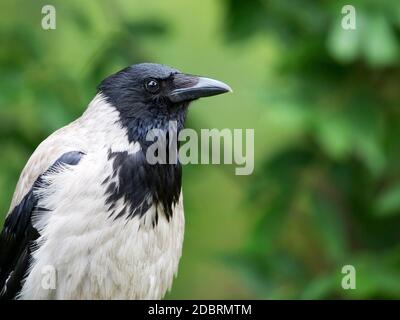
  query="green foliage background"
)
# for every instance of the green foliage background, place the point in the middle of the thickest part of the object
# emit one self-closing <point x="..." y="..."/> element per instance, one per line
<point x="324" y="103"/>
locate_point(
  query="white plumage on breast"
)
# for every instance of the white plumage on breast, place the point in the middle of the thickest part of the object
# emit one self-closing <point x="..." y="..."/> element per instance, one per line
<point x="96" y="256"/>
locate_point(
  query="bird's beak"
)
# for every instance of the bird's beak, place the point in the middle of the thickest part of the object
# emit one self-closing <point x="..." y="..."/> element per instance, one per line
<point x="189" y="87"/>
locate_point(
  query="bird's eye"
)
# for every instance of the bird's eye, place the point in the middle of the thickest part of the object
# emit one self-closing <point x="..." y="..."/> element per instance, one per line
<point x="152" y="86"/>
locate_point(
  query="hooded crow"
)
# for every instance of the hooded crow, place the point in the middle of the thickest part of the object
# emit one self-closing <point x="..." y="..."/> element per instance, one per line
<point x="91" y="218"/>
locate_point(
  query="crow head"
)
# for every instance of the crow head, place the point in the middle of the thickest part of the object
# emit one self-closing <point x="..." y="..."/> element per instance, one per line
<point x="149" y="95"/>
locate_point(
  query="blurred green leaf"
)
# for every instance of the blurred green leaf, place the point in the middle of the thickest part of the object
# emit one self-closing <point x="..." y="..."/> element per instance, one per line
<point x="388" y="202"/>
<point x="344" y="45"/>
<point x="380" y="43"/>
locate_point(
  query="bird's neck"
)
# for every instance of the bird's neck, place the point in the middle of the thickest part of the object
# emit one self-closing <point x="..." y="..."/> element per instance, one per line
<point x="139" y="183"/>
<point x="105" y="124"/>
<point x="148" y="131"/>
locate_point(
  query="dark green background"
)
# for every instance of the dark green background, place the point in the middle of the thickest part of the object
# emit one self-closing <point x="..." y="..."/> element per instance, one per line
<point x="324" y="103"/>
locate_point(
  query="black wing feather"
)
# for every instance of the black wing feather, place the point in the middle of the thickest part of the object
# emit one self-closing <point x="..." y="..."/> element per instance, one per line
<point x="19" y="234"/>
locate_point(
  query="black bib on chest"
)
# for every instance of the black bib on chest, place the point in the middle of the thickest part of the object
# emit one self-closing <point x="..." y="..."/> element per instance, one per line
<point x="140" y="185"/>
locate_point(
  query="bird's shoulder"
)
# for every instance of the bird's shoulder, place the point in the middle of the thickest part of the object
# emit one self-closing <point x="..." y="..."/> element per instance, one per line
<point x="62" y="141"/>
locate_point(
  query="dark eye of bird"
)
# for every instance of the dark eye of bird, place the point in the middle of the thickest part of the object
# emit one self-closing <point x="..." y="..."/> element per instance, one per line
<point x="152" y="86"/>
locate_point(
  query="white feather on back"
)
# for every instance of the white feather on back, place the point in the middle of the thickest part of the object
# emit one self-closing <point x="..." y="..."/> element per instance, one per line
<point x="97" y="127"/>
